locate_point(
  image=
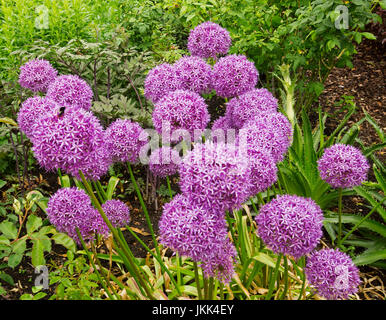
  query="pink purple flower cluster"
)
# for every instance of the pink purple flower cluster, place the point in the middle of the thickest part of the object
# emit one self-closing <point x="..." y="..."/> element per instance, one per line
<point x="332" y="273"/>
<point x="31" y="110"/>
<point x="216" y="176"/>
<point x="192" y="230"/>
<point x="253" y="103"/>
<point x="272" y="132"/>
<point x="290" y="225"/>
<point x="72" y="141"/>
<point x="37" y="75"/>
<point x="164" y="161"/>
<point x="117" y="212"/>
<point x="193" y="74"/>
<point x="71" y="208"/>
<point x="71" y="91"/>
<point x="234" y="75"/>
<point x="343" y="166"/>
<point x="181" y="109"/>
<point x="161" y="80"/>
<point x="208" y="40"/>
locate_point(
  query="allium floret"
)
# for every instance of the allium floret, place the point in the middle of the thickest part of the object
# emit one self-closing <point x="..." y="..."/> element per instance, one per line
<point x="117" y="212"/>
<point x="291" y="225"/>
<point x="71" y="91"/>
<point x="208" y="40"/>
<point x="332" y="273"/>
<point x="343" y="166"/>
<point x="234" y="75"/>
<point x="164" y="161"/>
<point x="37" y="75"/>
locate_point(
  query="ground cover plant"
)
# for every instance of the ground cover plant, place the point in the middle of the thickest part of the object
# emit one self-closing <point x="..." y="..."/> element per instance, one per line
<point x="175" y="150"/>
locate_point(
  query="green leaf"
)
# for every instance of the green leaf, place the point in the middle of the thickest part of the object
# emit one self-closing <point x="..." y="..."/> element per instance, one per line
<point x="363" y="193"/>
<point x="2" y="183"/>
<point x="66" y="181"/>
<point x="375" y="226"/>
<point x="8" y="229"/>
<point x="369" y="256"/>
<point x="369" y="36"/>
<point x="64" y="240"/>
<point x="19" y="246"/>
<point x="14" y="259"/>
<point x="37" y="253"/>
<point x="113" y="182"/>
<point x="7" y="278"/>
<point x="33" y="223"/>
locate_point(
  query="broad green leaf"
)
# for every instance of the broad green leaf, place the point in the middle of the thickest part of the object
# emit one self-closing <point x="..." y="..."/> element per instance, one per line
<point x="369" y="256"/>
<point x="363" y="193"/>
<point x="37" y="253"/>
<point x="66" y="181"/>
<point x="369" y="35"/>
<point x="7" y="278"/>
<point x="2" y="183"/>
<point x="19" y="246"/>
<point x="8" y="229"/>
<point x="7" y="120"/>
<point x="354" y="219"/>
<point x="33" y="223"/>
<point x="14" y="259"/>
<point x="113" y="182"/>
<point x="64" y="240"/>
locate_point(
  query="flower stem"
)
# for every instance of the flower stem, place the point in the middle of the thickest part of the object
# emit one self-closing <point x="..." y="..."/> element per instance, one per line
<point x="169" y="187"/>
<point x="143" y="208"/>
<point x="340" y="193"/>
<point x="196" y="276"/>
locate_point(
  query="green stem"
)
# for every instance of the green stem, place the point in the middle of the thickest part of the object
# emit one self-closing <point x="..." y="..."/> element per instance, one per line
<point x="196" y="275"/>
<point x="205" y="280"/>
<point x="143" y="208"/>
<point x="60" y="177"/>
<point x="115" y="234"/>
<point x="102" y="190"/>
<point x="169" y="188"/>
<point x="340" y="192"/>
<point x="254" y="206"/>
<point x="98" y="192"/>
<point x="283" y="295"/>
<point x="210" y="288"/>
<point x="273" y="278"/>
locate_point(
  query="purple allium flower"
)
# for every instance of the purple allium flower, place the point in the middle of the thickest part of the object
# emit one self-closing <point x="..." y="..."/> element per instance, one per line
<point x="250" y="104"/>
<point x="125" y="138"/>
<point x="37" y="75"/>
<point x="263" y="170"/>
<point x="271" y="131"/>
<point x="216" y="176"/>
<point x="71" y="208"/>
<point x="223" y="131"/>
<point x="71" y="91"/>
<point x="234" y="75"/>
<point x="220" y="263"/>
<point x="70" y="141"/>
<point x="332" y="273"/>
<point x="208" y="40"/>
<point x="164" y="161"/>
<point x="194" y="74"/>
<point x="31" y="110"/>
<point x="181" y="109"/>
<point x="343" y="166"/>
<point x="290" y="225"/>
<point x="117" y="212"/>
<point x="161" y="80"/>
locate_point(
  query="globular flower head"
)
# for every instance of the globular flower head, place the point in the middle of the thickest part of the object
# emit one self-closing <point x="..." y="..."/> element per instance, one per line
<point x="71" y="91"/>
<point x="31" y="110"/>
<point x="221" y="262"/>
<point x="290" y="225"/>
<point x="164" y="161"/>
<point x="117" y="212"/>
<point x="251" y="104"/>
<point x="191" y="229"/>
<point x="208" y="40"/>
<point x="181" y="110"/>
<point x="37" y="75"/>
<point x="234" y="75"/>
<point x="343" y="166"/>
<point x="263" y="170"/>
<point x="193" y="74"/>
<point x="161" y="80"/>
<point x="332" y="273"/>
<point x="68" y="141"/>
<point x="223" y="130"/>
<point x="125" y="139"/>
<point x="215" y="175"/>
<point x="71" y="208"/>
<point x="271" y="131"/>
